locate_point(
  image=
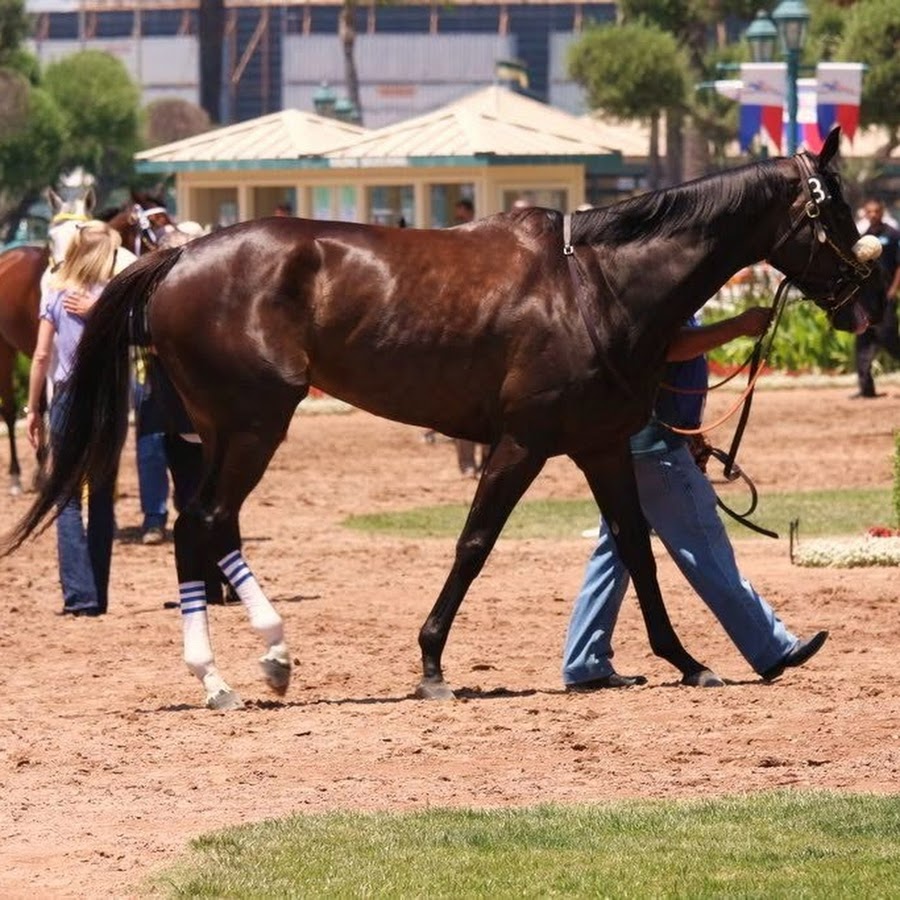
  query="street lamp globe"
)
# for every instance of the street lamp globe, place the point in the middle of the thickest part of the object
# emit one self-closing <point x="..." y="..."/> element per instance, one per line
<point x="762" y="36"/>
<point x="345" y="110"/>
<point x="324" y="99"/>
<point x="791" y="19"/>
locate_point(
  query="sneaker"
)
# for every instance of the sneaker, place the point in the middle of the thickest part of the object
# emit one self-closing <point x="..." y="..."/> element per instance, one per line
<point x="152" y="536"/>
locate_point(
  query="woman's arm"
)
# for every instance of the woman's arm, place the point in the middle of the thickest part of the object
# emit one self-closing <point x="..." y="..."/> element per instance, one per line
<point x="37" y="380"/>
<point x="79" y="303"/>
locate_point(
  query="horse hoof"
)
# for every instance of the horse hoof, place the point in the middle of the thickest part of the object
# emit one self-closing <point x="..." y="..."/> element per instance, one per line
<point x="225" y="699"/>
<point x="277" y="673"/>
<point x="703" y="678"/>
<point x="434" y="690"/>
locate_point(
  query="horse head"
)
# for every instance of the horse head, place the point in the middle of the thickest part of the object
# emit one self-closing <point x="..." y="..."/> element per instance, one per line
<point x="149" y="220"/>
<point x="823" y="245"/>
<point x="66" y="214"/>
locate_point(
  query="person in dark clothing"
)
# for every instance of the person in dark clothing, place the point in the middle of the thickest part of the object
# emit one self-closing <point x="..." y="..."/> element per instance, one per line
<point x="885" y="333"/>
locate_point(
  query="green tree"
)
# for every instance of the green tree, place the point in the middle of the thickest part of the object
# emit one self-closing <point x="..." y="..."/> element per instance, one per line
<point x="698" y="27"/>
<point x="13" y="29"/>
<point x="30" y="127"/>
<point x="872" y="36"/>
<point x="101" y="107"/>
<point x="30" y="157"/>
<point x="173" y="119"/>
<point x="631" y="71"/>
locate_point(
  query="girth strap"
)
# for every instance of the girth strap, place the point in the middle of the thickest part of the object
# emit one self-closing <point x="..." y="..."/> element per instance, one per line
<point x="581" y="286"/>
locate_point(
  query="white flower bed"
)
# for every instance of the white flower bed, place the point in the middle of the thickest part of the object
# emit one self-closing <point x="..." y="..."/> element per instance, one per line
<point x="848" y="553"/>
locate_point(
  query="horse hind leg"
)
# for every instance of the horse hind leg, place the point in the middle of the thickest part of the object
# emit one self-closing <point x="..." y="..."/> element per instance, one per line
<point x="9" y="411"/>
<point x="242" y="462"/>
<point x="191" y="548"/>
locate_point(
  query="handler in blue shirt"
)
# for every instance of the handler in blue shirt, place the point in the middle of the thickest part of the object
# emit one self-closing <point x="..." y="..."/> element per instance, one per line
<point x="680" y="506"/>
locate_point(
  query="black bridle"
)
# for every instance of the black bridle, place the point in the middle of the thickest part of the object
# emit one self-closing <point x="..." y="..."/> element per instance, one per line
<point x="852" y="273"/>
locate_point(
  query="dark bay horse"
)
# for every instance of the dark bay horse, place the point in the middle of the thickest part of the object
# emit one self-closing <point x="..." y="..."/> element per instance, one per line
<point x="142" y="222"/>
<point x="532" y="332"/>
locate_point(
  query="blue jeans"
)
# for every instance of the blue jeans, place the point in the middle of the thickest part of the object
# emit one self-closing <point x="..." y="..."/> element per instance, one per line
<point x="84" y="556"/>
<point x="679" y="504"/>
<point x="153" y="479"/>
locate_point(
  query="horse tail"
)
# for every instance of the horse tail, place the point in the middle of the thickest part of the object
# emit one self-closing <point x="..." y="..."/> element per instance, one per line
<point x="96" y="423"/>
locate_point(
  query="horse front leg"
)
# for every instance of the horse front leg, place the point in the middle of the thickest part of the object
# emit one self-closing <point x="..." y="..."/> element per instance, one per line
<point x="612" y="482"/>
<point x="509" y="471"/>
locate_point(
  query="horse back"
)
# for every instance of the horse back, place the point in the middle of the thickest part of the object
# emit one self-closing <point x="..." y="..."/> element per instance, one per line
<point x="444" y="327"/>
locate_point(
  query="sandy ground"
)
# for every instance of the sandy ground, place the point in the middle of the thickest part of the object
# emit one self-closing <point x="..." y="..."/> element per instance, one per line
<point x="109" y="764"/>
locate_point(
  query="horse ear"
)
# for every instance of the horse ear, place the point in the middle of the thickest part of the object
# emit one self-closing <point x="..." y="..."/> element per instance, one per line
<point x="55" y="201"/>
<point x="831" y="146"/>
<point x="90" y="198"/>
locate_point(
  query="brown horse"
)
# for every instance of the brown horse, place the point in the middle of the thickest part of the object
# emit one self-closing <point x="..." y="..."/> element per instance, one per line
<point x="532" y="332"/>
<point x="20" y="293"/>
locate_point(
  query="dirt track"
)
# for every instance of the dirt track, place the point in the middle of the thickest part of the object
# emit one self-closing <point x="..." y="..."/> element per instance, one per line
<point x="108" y="763"/>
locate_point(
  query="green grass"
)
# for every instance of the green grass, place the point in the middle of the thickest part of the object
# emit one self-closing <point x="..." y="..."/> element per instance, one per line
<point x="820" y="512"/>
<point x="791" y="845"/>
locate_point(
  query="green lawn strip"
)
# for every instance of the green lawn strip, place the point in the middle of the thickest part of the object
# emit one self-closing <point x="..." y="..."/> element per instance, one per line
<point x="786" y="844"/>
<point x="833" y="512"/>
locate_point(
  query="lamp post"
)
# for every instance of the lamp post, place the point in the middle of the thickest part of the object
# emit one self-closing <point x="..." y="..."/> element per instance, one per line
<point x="762" y="36"/>
<point x="791" y="19"/>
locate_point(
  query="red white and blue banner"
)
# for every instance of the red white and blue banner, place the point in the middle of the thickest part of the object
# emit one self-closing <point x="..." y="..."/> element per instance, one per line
<point x="807" y="134"/>
<point x="762" y="98"/>
<point x="831" y="98"/>
<point x="839" y="92"/>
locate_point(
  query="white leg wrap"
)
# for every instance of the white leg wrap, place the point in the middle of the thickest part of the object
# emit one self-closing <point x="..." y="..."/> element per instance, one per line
<point x="198" y="652"/>
<point x="263" y="617"/>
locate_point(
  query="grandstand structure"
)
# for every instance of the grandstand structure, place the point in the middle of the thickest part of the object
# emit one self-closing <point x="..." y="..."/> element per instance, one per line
<point x="411" y="56"/>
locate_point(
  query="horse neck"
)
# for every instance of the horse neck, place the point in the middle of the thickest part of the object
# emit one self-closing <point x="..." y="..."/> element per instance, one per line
<point x="676" y="268"/>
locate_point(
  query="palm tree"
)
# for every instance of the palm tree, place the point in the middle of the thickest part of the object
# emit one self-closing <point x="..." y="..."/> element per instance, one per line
<point x="347" y="35"/>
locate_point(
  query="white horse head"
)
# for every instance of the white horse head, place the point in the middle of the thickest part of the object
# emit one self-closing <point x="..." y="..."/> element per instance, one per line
<point x="65" y="216"/>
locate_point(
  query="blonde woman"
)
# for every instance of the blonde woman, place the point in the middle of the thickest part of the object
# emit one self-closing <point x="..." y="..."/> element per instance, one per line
<point x="84" y="555"/>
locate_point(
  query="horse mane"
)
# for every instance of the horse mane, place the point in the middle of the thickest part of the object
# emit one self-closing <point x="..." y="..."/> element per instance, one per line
<point x="696" y="204"/>
<point x="147" y="200"/>
<point x="108" y="213"/>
